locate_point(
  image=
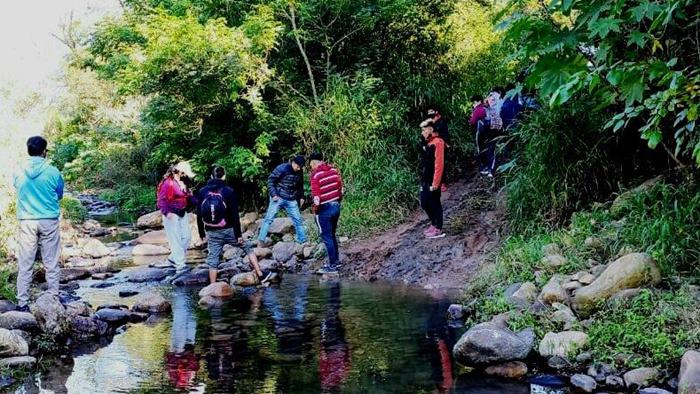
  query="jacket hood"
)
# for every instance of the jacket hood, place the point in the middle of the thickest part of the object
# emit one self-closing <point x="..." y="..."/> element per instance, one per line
<point x="36" y="166"/>
<point x="216" y="182"/>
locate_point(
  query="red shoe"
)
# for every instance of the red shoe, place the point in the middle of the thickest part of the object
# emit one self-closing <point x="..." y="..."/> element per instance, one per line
<point x="436" y="233"/>
<point x="429" y="230"/>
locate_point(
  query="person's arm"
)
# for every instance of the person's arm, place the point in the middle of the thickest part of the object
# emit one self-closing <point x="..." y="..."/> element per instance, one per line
<point x="200" y="222"/>
<point x="273" y="179"/>
<point x="439" y="164"/>
<point x="60" y="184"/>
<point x="235" y="215"/>
<point x="315" y="188"/>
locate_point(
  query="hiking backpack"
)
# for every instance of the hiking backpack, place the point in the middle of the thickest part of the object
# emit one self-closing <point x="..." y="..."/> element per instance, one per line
<point x="213" y="210"/>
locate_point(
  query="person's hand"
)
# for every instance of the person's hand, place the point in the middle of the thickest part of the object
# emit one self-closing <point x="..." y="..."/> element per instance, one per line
<point x="317" y="200"/>
<point x="301" y="202"/>
<point x="275" y="198"/>
<point x="240" y="241"/>
<point x="432" y="189"/>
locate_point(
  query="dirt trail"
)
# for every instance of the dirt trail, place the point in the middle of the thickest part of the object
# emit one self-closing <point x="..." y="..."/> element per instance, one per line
<point x="473" y="223"/>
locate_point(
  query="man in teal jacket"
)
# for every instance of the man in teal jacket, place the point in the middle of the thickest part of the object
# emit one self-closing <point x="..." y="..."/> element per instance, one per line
<point x="39" y="188"/>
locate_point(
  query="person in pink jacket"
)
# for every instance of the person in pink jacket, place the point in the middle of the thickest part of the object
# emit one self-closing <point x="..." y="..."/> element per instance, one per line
<point x="173" y="196"/>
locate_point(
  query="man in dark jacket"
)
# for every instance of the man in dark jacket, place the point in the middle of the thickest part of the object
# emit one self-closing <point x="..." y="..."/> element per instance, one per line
<point x="219" y="221"/>
<point x="286" y="187"/>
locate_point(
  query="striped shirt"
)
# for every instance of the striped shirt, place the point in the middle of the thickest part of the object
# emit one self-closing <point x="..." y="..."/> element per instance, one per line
<point x="326" y="184"/>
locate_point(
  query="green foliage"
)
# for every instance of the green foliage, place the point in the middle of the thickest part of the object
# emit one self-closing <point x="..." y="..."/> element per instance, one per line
<point x="134" y="199"/>
<point x="73" y="210"/>
<point x="638" y="57"/>
<point x="8" y="278"/>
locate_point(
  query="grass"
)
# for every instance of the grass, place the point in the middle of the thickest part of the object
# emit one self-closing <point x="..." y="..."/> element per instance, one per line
<point x="8" y="278"/>
<point x="73" y="210"/>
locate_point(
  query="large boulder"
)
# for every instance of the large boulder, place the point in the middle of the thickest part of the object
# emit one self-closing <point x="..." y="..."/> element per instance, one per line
<point x="12" y="344"/>
<point x="689" y="377"/>
<point x="492" y="342"/>
<point x="149" y="250"/>
<point x="524" y="296"/>
<point x="150" y="220"/>
<point x="281" y="226"/>
<point x="15" y="320"/>
<point x="151" y="302"/>
<point x="195" y="277"/>
<point x="95" y="249"/>
<point x="152" y="238"/>
<point x="562" y="344"/>
<point x="115" y="317"/>
<point x="283" y="251"/>
<point x="553" y="291"/>
<point x="640" y="377"/>
<point x="218" y="289"/>
<point x="146" y="274"/>
<point x="83" y="327"/>
<point x="629" y="271"/>
<point x="244" y="279"/>
<point x="52" y="316"/>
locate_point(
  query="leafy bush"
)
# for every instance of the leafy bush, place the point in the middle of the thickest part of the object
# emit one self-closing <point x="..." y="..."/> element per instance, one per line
<point x="8" y="278"/>
<point x="73" y="210"/>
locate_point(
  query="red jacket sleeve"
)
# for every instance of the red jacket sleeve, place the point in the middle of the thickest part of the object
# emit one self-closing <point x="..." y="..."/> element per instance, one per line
<point x="315" y="186"/>
<point x="439" y="163"/>
<point x="478" y="113"/>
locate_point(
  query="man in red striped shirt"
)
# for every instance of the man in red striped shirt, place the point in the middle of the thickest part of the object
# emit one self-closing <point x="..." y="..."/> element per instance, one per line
<point x="327" y="191"/>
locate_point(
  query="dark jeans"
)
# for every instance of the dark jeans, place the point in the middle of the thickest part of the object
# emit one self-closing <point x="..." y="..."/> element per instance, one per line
<point x="327" y="221"/>
<point x="430" y="202"/>
<point x="486" y="146"/>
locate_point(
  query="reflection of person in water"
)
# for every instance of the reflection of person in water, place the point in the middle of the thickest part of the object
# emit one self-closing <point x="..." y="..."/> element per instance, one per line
<point x="439" y="339"/>
<point x="334" y="357"/>
<point x="287" y="307"/>
<point x="182" y="361"/>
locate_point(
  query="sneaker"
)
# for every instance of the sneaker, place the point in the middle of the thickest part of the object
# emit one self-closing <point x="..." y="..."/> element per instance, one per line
<point x="327" y="269"/>
<point x="266" y="277"/>
<point x="178" y="273"/>
<point x="484" y="172"/>
<point x="23" y="308"/>
<point x="436" y="233"/>
<point x="429" y="230"/>
<point x="490" y="175"/>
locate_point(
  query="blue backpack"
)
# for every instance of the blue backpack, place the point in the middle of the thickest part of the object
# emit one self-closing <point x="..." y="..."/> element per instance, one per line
<point x="213" y="210"/>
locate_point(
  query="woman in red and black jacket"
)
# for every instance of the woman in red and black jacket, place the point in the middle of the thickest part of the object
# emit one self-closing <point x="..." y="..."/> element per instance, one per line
<point x="432" y="149"/>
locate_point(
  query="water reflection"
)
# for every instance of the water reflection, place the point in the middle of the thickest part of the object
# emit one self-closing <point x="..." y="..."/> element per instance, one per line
<point x="334" y="354"/>
<point x="181" y="359"/>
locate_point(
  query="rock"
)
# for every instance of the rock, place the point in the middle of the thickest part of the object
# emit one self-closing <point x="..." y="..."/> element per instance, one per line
<point x="281" y="226"/>
<point x="614" y="382"/>
<point x="15" y="320"/>
<point x="600" y="371"/>
<point x="79" y="308"/>
<point x="152" y="238"/>
<point x="102" y="275"/>
<point x="562" y="344"/>
<point x="96" y="249"/>
<point x="140" y="275"/>
<point x="52" y="316"/>
<point x="209" y="301"/>
<point x="551" y="249"/>
<point x="73" y="274"/>
<point x="6" y="306"/>
<point x="244" y="279"/>
<point x="596" y="270"/>
<point x="308" y="251"/>
<point x="553" y="291"/>
<point x="151" y="303"/>
<point x="584" y="357"/>
<point x="269" y="265"/>
<point x="149" y="250"/>
<point x="594" y="243"/>
<point x="584" y="383"/>
<point x="623" y="296"/>
<point x="248" y="221"/>
<point x="232" y="253"/>
<point x="564" y="315"/>
<point x="115" y="317"/>
<point x="195" y="277"/>
<point x="618" y="204"/>
<point x="262" y="253"/>
<point x="288" y="238"/>
<point x="455" y="312"/>
<point x="127" y="293"/>
<point x="630" y="271"/>
<point x="218" y="289"/>
<point x="283" y="251"/>
<point x="558" y="363"/>
<point x="524" y="296"/>
<point x="553" y="261"/>
<point x="689" y="376"/>
<point x="640" y="377"/>
<point x="586" y="279"/>
<point x="571" y="286"/>
<point x="343" y="239"/>
<point x="83" y="327"/>
<point x="150" y="220"/>
<point x="508" y="370"/>
<point x="654" y="390"/>
<point x="18" y="362"/>
<point x="492" y="342"/>
<point x="12" y="344"/>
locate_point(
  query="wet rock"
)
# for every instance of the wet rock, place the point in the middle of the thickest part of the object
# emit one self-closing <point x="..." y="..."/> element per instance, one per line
<point x="455" y="312"/>
<point x="689" y="376"/>
<point x="150" y="220"/>
<point x="149" y="250"/>
<point x="553" y="261"/>
<point x="553" y="291"/>
<point x="102" y="275"/>
<point x="6" y="306"/>
<point x="149" y="274"/>
<point x="18" y="362"/>
<point x="113" y="306"/>
<point x="283" y="251"/>
<point x="584" y="383"/>
<point x="193" y="278"/>
<point x="509" y="370"/>
<point x="492" y="342"/>
<point x="127" y="293"/>
<point x="562" y="344"/>
<point x="558" y="363"/>
<point x="551" y="249"/>
<point x="269" y="265"/>
<point x="12" y="344"/>
<point x="211" y="302"/>
<point x="157" y="237"/>
<point x="614" y="382"/>
<point x="83" y="327"/>
<point x="564" y="315"/>
<point x="630" y="271"/>
<point x="73" y="274"/>
<point x="102" y="285"/>
<point x="15" y="320"/>
<point x="218" y="289"/>
<point x="244" y="279"/>
<point x="151" y="303"/>
<point x="95" y="249"/>
<point x="640" y="377"/>
<point x="524" y="296"/>
<point x="600" y="371"/>
<point x="114" y="317"/>
<point x="654" y="390"/>
<point x="281" y="226"/>
<point x="52" y="316"/>
<point x="79" y="308"/>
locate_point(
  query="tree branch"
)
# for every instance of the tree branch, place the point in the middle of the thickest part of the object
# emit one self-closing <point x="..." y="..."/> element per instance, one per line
<point x="292" y="18"/>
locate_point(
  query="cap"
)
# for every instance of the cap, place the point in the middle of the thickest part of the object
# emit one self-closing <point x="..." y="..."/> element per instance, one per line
<point x="185" y="169"/>
<point x="299" y="160"/>
<point x="432" y="112"/>
<point x="316" y="156"/>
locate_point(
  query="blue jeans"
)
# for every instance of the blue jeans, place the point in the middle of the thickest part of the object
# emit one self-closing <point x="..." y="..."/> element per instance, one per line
<point x="327" y="221"/>
<point x="292" y="209"/>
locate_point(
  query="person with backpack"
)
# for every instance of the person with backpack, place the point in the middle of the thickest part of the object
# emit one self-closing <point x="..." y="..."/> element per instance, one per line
<point x="218" y="220"/>
<point x="286" y="187"/>
<point x="432" y="159"/>
<point x="489" y="135"/>
<point x="39" y="188"/>
<point x="327" y="191"/>
<point x="173" y="200"/>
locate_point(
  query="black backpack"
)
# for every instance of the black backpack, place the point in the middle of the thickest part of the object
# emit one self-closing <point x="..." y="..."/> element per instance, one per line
<point x="213" y="210"/>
